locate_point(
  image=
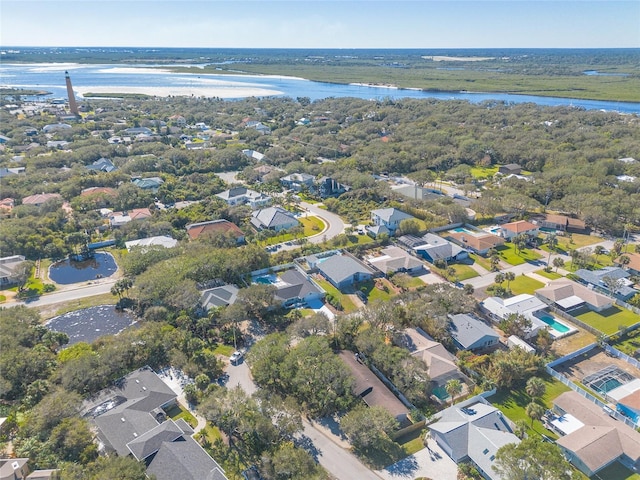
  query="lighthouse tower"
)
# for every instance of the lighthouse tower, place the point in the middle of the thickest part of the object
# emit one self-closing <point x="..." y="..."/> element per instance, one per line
<point x="73" y="107"/>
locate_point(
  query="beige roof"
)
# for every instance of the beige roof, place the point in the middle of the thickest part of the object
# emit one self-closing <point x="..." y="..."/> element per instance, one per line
<point x="39" y="198"/>
<point x="477" y="242"/>
<point x="559" y="289"/>
<point x="602" y="439"/>
<point x="521" y="226"/>
<point x="634" y="262"/>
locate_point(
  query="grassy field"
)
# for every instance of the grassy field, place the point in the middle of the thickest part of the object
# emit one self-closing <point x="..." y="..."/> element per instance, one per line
<point x="312" y="226"/>
<point x="524" y="284"/>
<point x="225" y="350"/>
<point x="513" y="403"/>
<point x="508" y="253"/>
<point x="411" y="442"/>
<point x="608" y="321"/>
<point x="629" y="343"/>
<point x="549" y="275"/>
<point x="347" y="304"/>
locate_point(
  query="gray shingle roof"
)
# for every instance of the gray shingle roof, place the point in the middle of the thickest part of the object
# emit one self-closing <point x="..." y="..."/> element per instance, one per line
<point x="298" y="286"/>
<point x="186" y="460"/>
<point x="219" y="296"/>
<point x="342" y="267"/>
<point x="390" y="215"/>
<point x="148" y="443"/>
<point x="468" y="331"/>
<point x="272" y="217"/>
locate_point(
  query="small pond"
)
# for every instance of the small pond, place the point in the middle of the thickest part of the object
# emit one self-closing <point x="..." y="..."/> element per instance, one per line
<point x="69" y="271"/>
<point x="88" y="324"/>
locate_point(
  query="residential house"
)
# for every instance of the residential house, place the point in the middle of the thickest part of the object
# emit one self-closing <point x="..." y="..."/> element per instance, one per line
<point x="259" y="127"/>
<point x="298" y="181"/>
<point x="477" y="241"/>
<point x="395" y="260"/>
<point x="6" y="205"/>
<point x="592" y="440"/>
<point x="130" y="419"/>
<point x="138" y="131"/>
<point x="568" y="295"/>
<point x="434" y="248"/>
<point x="372" y="390"/>
<point x="178" y="120"/>
<point x="102" y="165"/>
<point x="562" y="223"/>
<point x="117" y="219"/>
<point x="217" y="297"/>
<point x="4" y="139"/>
<point x="40" y="198"/>
<point x="10" y="172"/>
<point x="243" y="195"/>
<point x="98" y="191"/>
<point x="273" y="218"/>
<point x="633" y="266"/>
<point x="158" y="241"/>
<point x="57" y="127"/>
<point x="8" y="269"/>
<point x="510" y="169"/>
<point x="343" y="271"/>
<point x="389" y="218"/>
<point x="264" y="170"/>
<point x="328" y="187"/>
<point x="440" y="362"/>
<point x="215" y="227"/>
<point x="253" y="154"/>
<point x="57" y="144"/>
<point x="521" y="227"/>
<point x="415" y="192"/>
<point x="613" y="281"/>
<point x="149" y="183"/>
<point x="471" y="333"/>
<point x="473" y="430"/>
<point x="295" y="288"/>
<point x="526" y="305"/>
<point x="18" y="469"/>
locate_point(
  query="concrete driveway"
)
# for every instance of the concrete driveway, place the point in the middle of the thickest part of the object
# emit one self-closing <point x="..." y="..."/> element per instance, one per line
<point x="431" y="462"/>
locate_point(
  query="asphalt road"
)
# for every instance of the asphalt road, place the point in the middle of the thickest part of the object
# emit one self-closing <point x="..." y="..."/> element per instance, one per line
<point x="68" y="293"/>
<point x="335" y="223"/>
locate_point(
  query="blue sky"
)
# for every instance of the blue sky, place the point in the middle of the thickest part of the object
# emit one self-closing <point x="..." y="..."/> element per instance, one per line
<point x="322" y="23"/>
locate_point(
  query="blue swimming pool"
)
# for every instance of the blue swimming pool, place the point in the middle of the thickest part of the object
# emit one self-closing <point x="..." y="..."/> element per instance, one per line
<point x="553" y="323"/>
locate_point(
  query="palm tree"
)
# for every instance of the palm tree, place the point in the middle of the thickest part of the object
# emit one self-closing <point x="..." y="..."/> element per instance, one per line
<point x="509" y="277"/>
<point x="535" y="411"/>
<point x="558" y="262"/>
<point x="521" y="429"/>
<point x="499" y="278"/>
<point x="598" y="250"/>
<point x="453" y="387"/>
<point x="624" y="260"/>
<point x="552" y="243"/>
<point x="535" y="388"/>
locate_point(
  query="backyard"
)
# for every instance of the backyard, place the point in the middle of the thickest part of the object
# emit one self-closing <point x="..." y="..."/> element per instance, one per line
<point x="524" y="284"/>
<point x="347" y="304"/>
<point x="608" y="321"/>
<point x="507" y="252"/>
<point x="513" y="403"/>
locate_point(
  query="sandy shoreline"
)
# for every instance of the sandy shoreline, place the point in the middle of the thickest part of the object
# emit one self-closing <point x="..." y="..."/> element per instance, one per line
<point x="219" y="91"/>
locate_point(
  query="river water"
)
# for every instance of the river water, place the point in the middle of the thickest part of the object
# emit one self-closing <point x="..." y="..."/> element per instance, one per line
<point x="119" y="78"/>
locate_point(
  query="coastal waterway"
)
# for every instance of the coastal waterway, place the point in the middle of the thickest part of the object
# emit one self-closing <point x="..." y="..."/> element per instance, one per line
<point x="161" y="82"/>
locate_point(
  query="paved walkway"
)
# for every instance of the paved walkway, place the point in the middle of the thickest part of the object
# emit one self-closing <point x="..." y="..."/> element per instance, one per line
<point x="431" y="462"/>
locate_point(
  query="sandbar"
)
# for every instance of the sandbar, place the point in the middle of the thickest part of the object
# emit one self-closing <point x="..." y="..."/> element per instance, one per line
<point x="218" y="91"/>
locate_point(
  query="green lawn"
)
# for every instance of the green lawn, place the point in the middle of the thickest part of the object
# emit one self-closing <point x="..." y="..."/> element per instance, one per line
<point x="483" y="172"/>
<point x="629" y="343"/>
<point x="608" y="320"/>
<point x="225" y="350"/>
<point x="463" y="272"/>
<point x="411" y="442"/>
<point x="3" y="298"/>
<point x="482" y="261"/>
<point x="347" y="304"/>
<point x="374" y="293"/>
<point x="210" y="433"/>
<point x="616" y="471"/>
<point x="549" y="275"/>
<point x="178" y="411"/>
<point x="508" y="253"/>
<point x="513" y="403"/>
<point x="524" y="284"/>
<point x="312" y="226"/>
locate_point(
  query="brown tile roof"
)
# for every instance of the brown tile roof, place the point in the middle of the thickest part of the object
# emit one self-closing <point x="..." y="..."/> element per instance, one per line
<point x="565" y="221"/>
<point x="602" y="439"/>
<point x="520" y="226"/>
<point x="219" y="226"/>
<point x="94" y="190"/>
<point x="39" y="198"/>
<point x="634" y="262"/>
<point x="479" y="243"/>
<point x="134" y="214"/>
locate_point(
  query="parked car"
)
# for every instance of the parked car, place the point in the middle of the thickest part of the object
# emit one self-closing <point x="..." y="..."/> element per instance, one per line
<point x="236" y="358"/>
